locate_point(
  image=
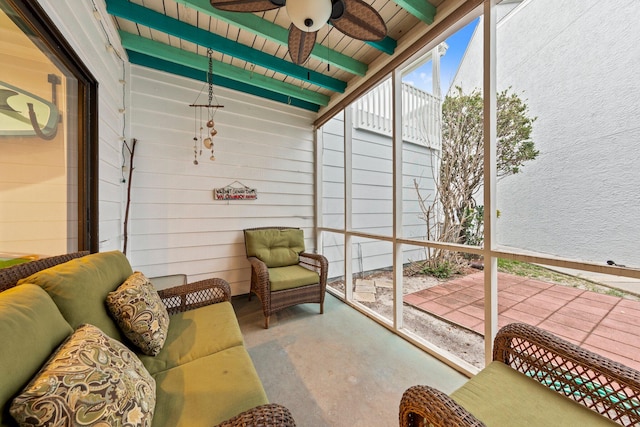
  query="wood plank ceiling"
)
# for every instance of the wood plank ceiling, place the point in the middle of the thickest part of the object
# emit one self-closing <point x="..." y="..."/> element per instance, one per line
<point x="250" y="51"/>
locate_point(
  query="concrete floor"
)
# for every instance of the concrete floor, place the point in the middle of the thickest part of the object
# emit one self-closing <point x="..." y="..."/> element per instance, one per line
<point x="336" y="369"/>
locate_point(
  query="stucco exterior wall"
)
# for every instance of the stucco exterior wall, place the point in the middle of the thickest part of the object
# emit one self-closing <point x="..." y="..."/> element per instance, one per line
<point x="576" y="63"/>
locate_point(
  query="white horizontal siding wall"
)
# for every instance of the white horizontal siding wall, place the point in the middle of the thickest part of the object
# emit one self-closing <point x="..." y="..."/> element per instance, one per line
<point x="332" y="134"/>
<point x="89" y="37"/>
<point x="372" y="171"/>
<point x="372" y="198"/>
<point x="175" y="224"/>
<point x="419" y="164"/>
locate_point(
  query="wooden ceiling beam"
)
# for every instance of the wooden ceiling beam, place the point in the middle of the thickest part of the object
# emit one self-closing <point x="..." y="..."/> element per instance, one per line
<point x="157" y="21"/>
<point x="168" y="53"/>
<point x="386" y="45"/>
<point x="421" y="9"/>
<point x="192" y="73"/>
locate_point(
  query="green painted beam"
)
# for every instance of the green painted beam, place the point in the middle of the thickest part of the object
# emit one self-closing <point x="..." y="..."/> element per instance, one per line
<point x="193" y="60"/>
<point x="386" y="45"/>
<point x="421" y="9"/>
<point x="181" y="70"/>
<point x="276" y="33"/>
<point x="158" y="21"/>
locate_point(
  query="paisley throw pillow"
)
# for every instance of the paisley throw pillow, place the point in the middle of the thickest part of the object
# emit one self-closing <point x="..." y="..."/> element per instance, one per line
<point x="91" y="379"/>
<point x="140" y="313"/>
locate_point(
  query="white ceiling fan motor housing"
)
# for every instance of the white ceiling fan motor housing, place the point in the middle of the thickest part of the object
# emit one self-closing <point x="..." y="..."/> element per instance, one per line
<point x="309" y="15"/>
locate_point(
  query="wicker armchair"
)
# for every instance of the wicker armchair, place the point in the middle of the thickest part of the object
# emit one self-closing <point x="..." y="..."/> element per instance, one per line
<point x="604" y="386"/>
<point x="273" y="296"/>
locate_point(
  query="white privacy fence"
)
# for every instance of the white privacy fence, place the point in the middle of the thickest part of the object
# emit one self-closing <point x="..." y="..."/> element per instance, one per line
<point x="421" y="114"/>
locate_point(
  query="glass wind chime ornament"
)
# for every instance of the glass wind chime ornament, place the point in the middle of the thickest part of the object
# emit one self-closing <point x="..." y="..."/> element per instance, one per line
<point x="204" y="132"/>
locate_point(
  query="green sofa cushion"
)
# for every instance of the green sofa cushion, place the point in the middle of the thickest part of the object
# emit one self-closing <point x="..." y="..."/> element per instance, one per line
<point x="292" y="276"/>
<point x="276" y="248"/>
<point x="501" y="396"/>
<point x="31" y="328"/>
<point x="79" y="288"/>
<point x="194" y="334"/>
<point x="207" y="391"/>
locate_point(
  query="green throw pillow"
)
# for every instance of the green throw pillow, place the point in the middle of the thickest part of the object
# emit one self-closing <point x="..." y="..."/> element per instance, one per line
<point x="90" y="380"/>
<point x="140" y="313"/>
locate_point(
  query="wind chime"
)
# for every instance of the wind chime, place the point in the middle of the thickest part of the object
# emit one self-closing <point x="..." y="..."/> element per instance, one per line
<point x="200" y="138"/>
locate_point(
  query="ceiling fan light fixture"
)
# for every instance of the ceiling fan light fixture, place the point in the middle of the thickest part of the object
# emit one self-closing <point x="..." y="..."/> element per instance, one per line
<point x="309" y="15"/>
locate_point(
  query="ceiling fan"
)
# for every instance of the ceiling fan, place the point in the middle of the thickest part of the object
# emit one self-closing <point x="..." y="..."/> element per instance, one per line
<point x="354" y="18"/>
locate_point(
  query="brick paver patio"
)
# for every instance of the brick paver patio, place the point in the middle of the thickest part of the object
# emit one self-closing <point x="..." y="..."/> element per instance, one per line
<point x="605" y="324"/>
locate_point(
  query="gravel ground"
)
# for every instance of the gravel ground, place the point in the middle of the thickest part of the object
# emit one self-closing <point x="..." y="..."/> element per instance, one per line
<point x="467" y="345"/>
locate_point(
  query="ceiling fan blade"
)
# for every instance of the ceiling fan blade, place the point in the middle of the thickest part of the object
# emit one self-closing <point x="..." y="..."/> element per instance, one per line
<point x="300" y="44"/>
<point x="246" y="5"/>
<point x="360" y="21"/>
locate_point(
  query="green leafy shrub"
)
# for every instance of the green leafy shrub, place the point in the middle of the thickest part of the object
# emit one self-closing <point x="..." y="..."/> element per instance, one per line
<point x="443" y="270"/>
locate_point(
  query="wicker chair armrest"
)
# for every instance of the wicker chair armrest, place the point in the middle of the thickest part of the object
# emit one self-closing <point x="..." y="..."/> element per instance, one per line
<point x="318" y="263"/>
<point x="259" y="270"/>
<point x="193" y="295"/>
<point x="318" y="260"/>
<point x="422" y="405"/>
<point x="602" y="385"/>
<point x="264" y="415"/>
<point x="10" y="276"/>
<point x="257" y="264"/>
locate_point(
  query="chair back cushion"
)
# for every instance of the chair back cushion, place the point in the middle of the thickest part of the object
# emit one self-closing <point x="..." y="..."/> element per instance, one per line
<point x="274" y="247"/>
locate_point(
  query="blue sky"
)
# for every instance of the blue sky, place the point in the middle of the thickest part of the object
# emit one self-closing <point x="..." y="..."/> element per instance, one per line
<point x="421" y="77"/>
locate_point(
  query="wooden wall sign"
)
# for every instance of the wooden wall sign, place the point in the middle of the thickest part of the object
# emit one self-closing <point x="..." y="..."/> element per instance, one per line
<point x="238" y="192"/>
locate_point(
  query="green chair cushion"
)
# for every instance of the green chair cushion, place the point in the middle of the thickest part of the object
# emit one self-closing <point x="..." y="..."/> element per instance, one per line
<point x="292" y="276"/>
<point x="276" y="248"/>
<point x="194" y="334"/>
<point x="79" y="288"/>
<point x="501" y="396"/>
<point x="31" y="328"/>
<point x="207" y="391"/>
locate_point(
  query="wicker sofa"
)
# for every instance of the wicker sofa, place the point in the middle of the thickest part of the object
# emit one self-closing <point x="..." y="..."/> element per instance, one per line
<point x="203" y="374"/>
<point x="535" y="379"/>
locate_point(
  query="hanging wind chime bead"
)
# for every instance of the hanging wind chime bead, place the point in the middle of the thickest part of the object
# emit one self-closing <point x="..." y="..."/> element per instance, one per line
<point x="211" y="109"/>
<point x="195" y="150"/>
